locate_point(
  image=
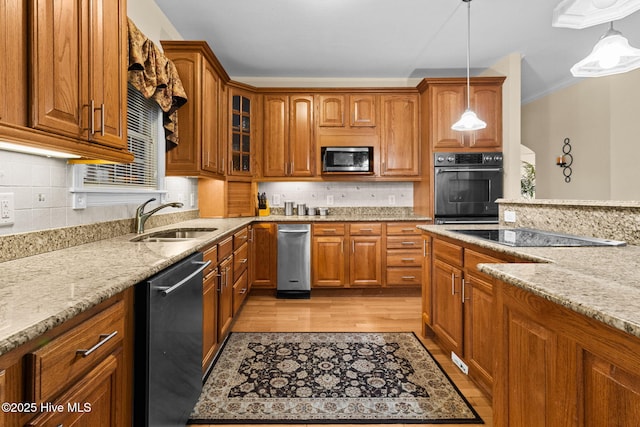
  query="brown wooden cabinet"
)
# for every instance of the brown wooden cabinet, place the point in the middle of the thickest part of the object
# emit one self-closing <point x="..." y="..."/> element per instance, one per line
<point x="427" y="303"/>
<point x="203" y="137"/>
<point x="447" y="308"/>
<point x="400" y="139"/>
<point x="242" y="132"/>
<point x="328" y="256"/>
<point x="447" y="100"/>
<point x="240" y="268"/>
<point x="556" y="367"/>
<point x="404" y="254"/>
<point x="264" y="256"/>
<point x="225" y="289"/>
<point x="79" y="71"/>
<point x="83" y="366"/>
<point x="288" y="136"/>
<point x="365" y="259"/>
<point x="210" y="283"/>
<point x="347" y="110"/>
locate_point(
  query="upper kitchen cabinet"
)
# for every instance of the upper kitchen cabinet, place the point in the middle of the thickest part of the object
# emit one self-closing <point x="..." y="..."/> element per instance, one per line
<point x="63" y="76"/>
<point x="347" y="111"/>
<point x="79" y="78"/>
<point x="242" y="132"/>
<point x="203" y="137"/>
<point x="288" y="136"/>
<point x="400" y="140"/>
<point x="447" y="100"/>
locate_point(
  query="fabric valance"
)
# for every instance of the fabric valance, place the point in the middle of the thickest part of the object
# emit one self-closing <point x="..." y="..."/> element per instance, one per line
<point x="156" y="77"/>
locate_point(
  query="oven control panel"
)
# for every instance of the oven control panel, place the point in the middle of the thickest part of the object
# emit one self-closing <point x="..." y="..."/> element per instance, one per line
<point x="468" y="159"/>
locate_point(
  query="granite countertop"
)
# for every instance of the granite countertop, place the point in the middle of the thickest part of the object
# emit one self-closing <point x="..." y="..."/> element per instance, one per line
<point x="41" y="291"/>
<point x="599" y="282"/>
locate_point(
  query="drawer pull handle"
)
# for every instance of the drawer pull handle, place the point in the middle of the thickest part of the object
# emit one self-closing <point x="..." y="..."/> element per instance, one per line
<point x="329" y="230"/>
<point x="408" y="277"/>
<point x="242" y="291"/>
<point x="243" y="261"/>
<point x="407" y="230"/>
<point x="103" y="340"/>
<point x="367" y="229"/>
<point x="408" y="259"/>
<point x="408" y="243"/>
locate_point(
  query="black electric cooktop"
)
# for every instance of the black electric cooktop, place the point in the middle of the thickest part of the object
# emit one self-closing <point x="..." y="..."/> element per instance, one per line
<point x="525" y="237"/>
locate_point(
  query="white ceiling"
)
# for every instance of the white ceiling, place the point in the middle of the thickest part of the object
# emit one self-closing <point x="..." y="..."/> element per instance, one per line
<point x="388" y="38"/>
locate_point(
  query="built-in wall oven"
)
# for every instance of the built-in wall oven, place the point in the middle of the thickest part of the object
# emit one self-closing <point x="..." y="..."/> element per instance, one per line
<point x="466" y="187"/>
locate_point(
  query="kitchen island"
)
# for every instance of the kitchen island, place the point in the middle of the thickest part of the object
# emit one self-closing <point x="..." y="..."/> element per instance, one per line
<point x="551" y="333"/>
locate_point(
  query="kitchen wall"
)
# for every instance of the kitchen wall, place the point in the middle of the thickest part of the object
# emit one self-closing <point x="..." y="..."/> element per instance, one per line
<point x="600" y="117"/>
<point x="340" y="194"/>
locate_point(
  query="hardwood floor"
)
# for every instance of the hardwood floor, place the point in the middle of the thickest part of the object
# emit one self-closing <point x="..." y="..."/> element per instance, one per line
<point x="327" y="312"/>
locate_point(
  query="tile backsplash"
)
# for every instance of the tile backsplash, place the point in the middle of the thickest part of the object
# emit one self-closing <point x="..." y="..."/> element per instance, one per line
<point x="339" y="194"/>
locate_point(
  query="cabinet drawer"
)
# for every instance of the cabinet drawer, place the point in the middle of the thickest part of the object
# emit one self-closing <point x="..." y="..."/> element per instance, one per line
<point x="447" y="252"/>
<point x="402" y="228"/>
<point x="240" y="290"/>
<point x="240" y="238"/>
<point x="240" y="260"/>
<point x="365" y="229"/>
<point x="61" y="362"/>
<point x="225" y="248"/>
<point x="329" y="229"/>
<point x="473" y="258"/>
<point x="210" y="254"/>
<point x="404" y="258"/>
<point x="404" y="242"/>
<point x="404" y="276"/>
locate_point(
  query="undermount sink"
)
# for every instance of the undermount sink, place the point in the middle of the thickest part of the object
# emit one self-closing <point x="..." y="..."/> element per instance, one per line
<point x="174" y="235"/>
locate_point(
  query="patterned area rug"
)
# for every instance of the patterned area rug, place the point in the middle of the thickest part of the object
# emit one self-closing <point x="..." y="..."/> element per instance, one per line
<point x="329" y="378"/>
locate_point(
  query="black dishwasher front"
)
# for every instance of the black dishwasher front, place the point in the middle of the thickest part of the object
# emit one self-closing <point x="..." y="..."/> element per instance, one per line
<point x="168" y="363"/>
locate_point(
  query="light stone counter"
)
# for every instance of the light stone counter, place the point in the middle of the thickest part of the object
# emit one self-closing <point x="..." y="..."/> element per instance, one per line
<point x="41" y="291"/>
<point x="599" y="282"/>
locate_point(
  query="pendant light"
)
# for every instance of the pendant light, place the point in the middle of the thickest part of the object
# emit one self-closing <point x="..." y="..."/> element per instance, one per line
<point x="469" y="121"/>
<point x="611" y="55"/>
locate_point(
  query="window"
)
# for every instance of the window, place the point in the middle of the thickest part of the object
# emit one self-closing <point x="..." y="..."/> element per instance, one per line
<point x="98" y="182"/>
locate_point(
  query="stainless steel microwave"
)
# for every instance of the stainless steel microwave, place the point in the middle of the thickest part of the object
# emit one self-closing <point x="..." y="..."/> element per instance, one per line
<point x="347" y="159"/>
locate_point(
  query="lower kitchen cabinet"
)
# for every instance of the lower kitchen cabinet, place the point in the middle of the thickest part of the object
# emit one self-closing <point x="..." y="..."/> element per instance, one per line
<point x="264" y="256"/>
<point x="405" y="255"/>
<point x="225" y="291"/>
<point x="556" y="367"/>
<point x="210" y="285"/>
<point x="83" y="366"/>
<point x="459" y="305"/>
<point x="328" y="263"/>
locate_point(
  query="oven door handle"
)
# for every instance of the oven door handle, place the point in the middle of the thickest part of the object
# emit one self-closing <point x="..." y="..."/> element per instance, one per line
<point x="440" y="170"/>
<point x="202" y="266"/>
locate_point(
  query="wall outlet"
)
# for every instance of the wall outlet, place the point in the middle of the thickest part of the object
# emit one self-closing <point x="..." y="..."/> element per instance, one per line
<point x="79" y="201"/>
<point x="509" y="216"/>
<point x="275" y="200"/>
<point x="192" y="200"/>
<point x="330" y="200"/>
<point x="459" y="363"/>
<point x="392" y="199"/>
<point x="7" y="209"/>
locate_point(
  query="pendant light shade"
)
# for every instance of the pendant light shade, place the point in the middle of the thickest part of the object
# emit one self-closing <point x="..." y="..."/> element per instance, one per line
<point x="611" y="55"/>
<point x="469" y="120"/>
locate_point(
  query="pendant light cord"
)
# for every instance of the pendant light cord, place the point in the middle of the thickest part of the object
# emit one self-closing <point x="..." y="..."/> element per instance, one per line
<point x="468" y="51"/>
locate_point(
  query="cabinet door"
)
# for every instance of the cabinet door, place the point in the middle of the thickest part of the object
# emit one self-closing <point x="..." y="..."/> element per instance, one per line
<point x="365" y="263"/>
<point x="362" y="110"/>
<point x="225" y="298"/>
<point x="301" y="139"/>
<point x="331" y="110"/>
<point x="447" y="305"/>
<point x="93" y="400"/>
<point x="447" y="105"/>
<point x="240" y="291"/>
<point x="209" y="318"/>
<point x="479" y="323"/>
<point x="328" y="261"/>
<point x="264" y="256"/>
<point x="59" y="86"/>
<point x="426" y="284"/>
<point x="275" y="135"/>
<point x="14" y="38"/>
<point x="210" y="119"/>
<point x="487" y="103"/>
<point x="108" y="71"/>
<point x="400" y="143"/>
<point x="242" y="134"/>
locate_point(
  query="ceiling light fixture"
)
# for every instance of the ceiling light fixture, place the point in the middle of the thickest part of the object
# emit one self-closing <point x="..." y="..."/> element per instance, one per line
<point x="469" y="121"/>
<point x="611" y="55"/>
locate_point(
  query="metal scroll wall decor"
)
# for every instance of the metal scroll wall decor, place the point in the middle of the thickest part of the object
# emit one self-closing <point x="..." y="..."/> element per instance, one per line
<point x="566" y="160"/>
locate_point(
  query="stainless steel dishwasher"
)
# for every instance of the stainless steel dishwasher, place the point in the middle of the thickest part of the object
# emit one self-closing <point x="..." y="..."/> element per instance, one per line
<point x="168" y="358"/>
<point x="294" y="261"/>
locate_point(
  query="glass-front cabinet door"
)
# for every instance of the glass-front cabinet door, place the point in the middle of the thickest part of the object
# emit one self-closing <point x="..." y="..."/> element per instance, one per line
<point x="241" y="134"/>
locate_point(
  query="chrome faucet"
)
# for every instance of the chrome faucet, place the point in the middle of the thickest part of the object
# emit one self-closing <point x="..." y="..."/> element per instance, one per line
<point x="142" y="217"/>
